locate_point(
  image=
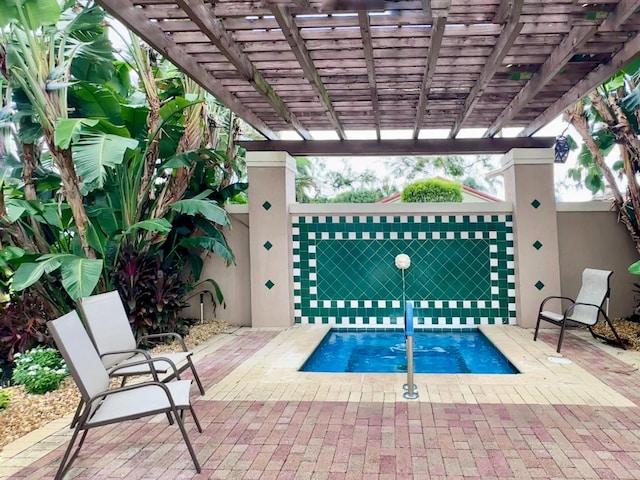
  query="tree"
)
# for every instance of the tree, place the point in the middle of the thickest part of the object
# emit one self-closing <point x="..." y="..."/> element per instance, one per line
<point x="360" y="195"/>
<point x="434" y="190"/>
<point x="608" y="118"/>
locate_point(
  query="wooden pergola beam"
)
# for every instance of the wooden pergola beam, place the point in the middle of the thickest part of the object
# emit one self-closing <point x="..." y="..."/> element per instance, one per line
<point x="627" y="53"/>
<point x="457" y="146"/>
<point x="502" y="13"/>
<point x="577" y="37"/>
<point x="437" y="32"/>
<point x="296" y="42"/>
<point x="426" y="6"/>
<point x="213" y="28"/>
<point x="509" y="34"/>
<point x="365" y="30"/>
<point x="133" y="19"/>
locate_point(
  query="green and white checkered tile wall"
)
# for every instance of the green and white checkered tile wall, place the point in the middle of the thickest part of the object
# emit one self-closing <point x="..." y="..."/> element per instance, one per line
<point x="461" y="273"/>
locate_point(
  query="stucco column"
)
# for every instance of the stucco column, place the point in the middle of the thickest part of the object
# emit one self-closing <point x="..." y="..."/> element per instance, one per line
<point x="529" y="186"/>
<point x="271" y="190"/>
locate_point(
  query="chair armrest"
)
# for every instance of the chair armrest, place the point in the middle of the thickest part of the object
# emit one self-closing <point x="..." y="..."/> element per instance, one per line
<point x="161" y="335"/>
<point x="150" y="362"/>
<point x="100" y="396"/>
<point x="133" y="350"/>
<point x="569" y="310"/>
<point x="554" y="298"/>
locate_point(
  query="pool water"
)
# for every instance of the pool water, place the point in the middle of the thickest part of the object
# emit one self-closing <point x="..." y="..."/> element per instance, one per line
<point x="385" y="352"/>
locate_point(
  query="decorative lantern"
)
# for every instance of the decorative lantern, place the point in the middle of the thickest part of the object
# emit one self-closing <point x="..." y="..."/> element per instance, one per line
<point x="561" y="149"/>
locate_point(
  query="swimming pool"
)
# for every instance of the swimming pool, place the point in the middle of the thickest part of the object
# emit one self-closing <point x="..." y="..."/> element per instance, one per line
<point x="384" y="352"/>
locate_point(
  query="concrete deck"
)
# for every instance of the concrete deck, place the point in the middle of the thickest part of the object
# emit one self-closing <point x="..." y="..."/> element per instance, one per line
<point x="263" y="419"/>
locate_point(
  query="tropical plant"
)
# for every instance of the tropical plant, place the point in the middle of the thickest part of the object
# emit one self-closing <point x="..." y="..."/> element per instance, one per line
<point x="104" y="166"/>
<point x="40" y="370"/>
<point x="607" y="122"/>
<point x="434" y="190"/>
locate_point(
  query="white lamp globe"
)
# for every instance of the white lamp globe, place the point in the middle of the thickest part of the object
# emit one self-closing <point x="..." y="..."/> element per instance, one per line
<point x="403" y="261"/>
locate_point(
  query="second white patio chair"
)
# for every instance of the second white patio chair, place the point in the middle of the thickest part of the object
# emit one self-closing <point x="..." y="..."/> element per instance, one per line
<point x="586" y="309"/>
<point x="108" y="325"/>
<point x="103" y="406"/>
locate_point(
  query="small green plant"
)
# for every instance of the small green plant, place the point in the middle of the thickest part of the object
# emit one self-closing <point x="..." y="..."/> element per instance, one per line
<point x="40" y="370"/>
<point x="5" y="397"/>
<point x="434" y="190"/>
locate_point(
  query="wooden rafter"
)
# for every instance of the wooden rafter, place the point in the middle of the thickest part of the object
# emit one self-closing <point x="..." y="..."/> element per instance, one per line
<point x="213" y="28"/>
<point x="509" y="34"/>
<point x="365" y="30"/>
<point x="137" y="22"/>
<point x="504" y="11"/>
<point x="630" y="50"/>
<point x="456" y="146"/>
<point x="577" y="37"/>
<point x="292" y="34"/>
<point x="437" y="32"/>
<point x="426" y="6"/>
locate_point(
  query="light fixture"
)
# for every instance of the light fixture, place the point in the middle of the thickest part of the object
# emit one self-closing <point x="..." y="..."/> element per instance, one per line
<point x="561" y="149"/>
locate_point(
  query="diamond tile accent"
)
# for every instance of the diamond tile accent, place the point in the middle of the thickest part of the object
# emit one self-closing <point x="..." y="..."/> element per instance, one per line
<point x="266" y="205"/>
<point x="539" y="285"/>
<point x="537" y="245"/>
<point x="535" y="203"/>
<point x="269" y="284"/>
<point x="268" y="245"/>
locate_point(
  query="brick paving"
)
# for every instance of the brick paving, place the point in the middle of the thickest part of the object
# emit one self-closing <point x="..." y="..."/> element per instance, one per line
<point x="373" y="440"/>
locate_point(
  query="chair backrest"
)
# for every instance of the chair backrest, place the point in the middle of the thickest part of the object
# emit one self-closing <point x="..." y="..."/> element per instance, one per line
<point x="108" y="324"/>
<point x="77" y="350"/>
<point x="594" y="290"/>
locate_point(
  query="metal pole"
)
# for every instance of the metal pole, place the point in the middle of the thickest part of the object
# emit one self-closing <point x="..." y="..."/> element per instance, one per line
<point x="410" y="387"/>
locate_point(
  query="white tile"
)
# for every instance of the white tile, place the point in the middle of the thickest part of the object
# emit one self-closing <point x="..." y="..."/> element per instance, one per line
<point x="304" y="319"/>
<point x="339" y="235"/>
<point x="493" y="235"/>
<point x="297" y="313"/>
<point x="295" y="219"/>
<point x="438" y="304"/>
<point x="313" y="290"/>
<point x="495" y="290"/>
<point x="296" y="286"/>
<point x="417" y="219"/>
<point x="359" y="321"/>
<point x="372" y="320"/>
<point x="466" y="304"/>
<point x="458" y="218"/>
<point x="332" y="320"/>
<point x="386" y="320"/>
<point x="363" y="219"/>
<point x="444" y="218"/>
<point x="484" y="320"/>
<point x="368" y="304"/>
<point x="345" y="321"/>
<point x="456" y="321"/>
<point x="340" y="303"/>
<point x="493" y="262"/>
<point x="366" y="235"/>
<point x="478" y="235"/>
<point x="313" y="276"/>
<point x="297" y="299"/>
<point x="511" y="264"/>
<point x="509" y="250"/>
<point x="451" y="235"/>
<point x="453" y="304"/>
<point x="324" y="235"/>
<point x="482" y="304"/>
<point x="502" y="218"/>
<point x="317" y="320"/>
<point x="296" y="272"/>
<point x="464" y="235"/>
<point x="322" y="219"/>
<point x="393" y="235"/>
<point x="509" y="237"/>
<point x="376" y="219"/>
<point x="311" y="236"/>
<point x="348" y="219"/>
<point x="435" y="235"/>
<point x="296" y="258"/>
<point x="335" y="219"/>
<point x="312" y="249"/>
<point x="295" y="231"/>
<point x="379" y="235"/>
<point x="382" y="304"/>
<point x="353" y="303"/>
<point x="473" y="219"/>
<point x="326" y="303"/>
<point x="431" y="219"/>
<point x="312" y="262"/>
<point x="424" y="304"/>
<point x="511" y="292"/>
<point x="352" y="235"/>
<point x="313" y="303"/>
<point x="495" y="303"/>
<point x="511" y="278"/>
<point x="395" y="303"/>
<point x="493" y="275"/>
<point x="493" y="248"/>
<point x="407" y="235"/>
<point x="512" y="307"/>
<point x="422" y="235"/>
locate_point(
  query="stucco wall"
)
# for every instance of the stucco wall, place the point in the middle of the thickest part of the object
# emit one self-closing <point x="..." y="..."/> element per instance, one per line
<point x="235" y="280"/>
<point x="589" y="236"/>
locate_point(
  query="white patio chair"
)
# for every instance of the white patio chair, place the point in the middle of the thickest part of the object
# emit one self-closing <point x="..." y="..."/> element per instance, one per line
<point x="109" y="329"/>
<point x="586" y="309"/>
<point x="103" y="406"/>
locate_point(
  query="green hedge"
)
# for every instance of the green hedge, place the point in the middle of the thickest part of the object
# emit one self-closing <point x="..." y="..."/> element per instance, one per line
<point x="434" y="190"/>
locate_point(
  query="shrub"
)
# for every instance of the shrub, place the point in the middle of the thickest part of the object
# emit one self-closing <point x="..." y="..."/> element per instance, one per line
<point x="40" y="370"/>
<point x="434" y="190"/>
<point x="23" y="325"/>
<point x="360" y="195"/>
<point x="5" y="396"/>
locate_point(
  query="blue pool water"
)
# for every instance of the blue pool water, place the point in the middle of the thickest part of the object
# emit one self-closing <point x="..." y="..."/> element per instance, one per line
<point x="385" y="352"/>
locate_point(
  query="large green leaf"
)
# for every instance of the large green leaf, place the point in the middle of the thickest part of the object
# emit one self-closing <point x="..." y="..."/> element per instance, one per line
<point x="635" y="268"/>
<point x="29" y="273"/>
<point x="135" y="118"/>
<point x="93" y="101"/>
<point x="68" y="130"/>
<point x="210" y="244"/>
<point x="631" y="102"/>
<point x="80" y="276"/>
<point x="120" y="82"/>
<point x="36" y="12"/>
<point x="156" y="225"/>
<point x="96" y="151"/>
<point x="175" y="107"/>
<point x="207" y="208"/>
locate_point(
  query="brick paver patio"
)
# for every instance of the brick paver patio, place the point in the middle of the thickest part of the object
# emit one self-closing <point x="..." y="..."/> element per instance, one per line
<point x="361" y="439"/>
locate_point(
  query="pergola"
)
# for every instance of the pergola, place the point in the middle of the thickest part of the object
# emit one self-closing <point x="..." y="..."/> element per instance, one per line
<point x="344" y="65"/>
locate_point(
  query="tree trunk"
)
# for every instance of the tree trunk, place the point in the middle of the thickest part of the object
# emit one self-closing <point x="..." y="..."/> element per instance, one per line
<point x="29" y="165"/>
<point x="71" y="188"/>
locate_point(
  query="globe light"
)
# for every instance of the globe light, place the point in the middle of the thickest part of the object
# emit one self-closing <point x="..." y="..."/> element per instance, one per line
<point x="403" y="261"/>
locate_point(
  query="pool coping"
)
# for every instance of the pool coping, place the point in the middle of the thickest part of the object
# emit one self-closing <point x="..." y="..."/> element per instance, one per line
<point x="272" y="375"/>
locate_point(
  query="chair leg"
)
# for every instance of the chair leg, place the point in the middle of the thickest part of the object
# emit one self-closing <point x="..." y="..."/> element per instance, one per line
<point x="195" y="376"/>
<point x="535" y="335"/>
<point x="66" y="461"/>
<point x="76" y="416"/>
<point x="618" y="339"/>
<point x="188" y="442"/>
<point x="562" y="327"/>
<point x="195" y="418"/>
